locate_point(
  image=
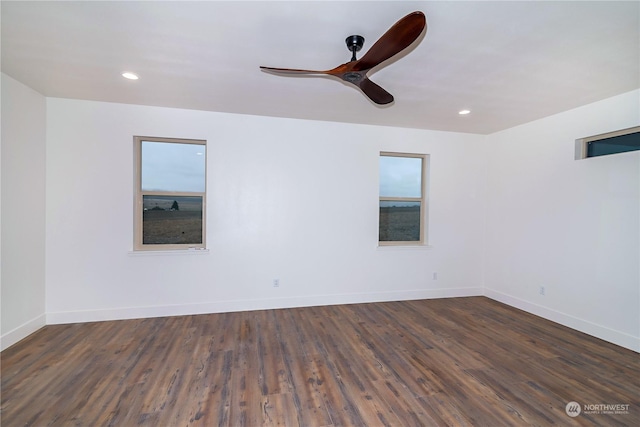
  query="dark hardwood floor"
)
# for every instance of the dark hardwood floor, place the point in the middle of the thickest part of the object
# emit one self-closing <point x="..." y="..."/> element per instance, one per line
<point x="458" y="361"/>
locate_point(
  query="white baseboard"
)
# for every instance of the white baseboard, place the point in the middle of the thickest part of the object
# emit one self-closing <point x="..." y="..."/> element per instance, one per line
<point x="616" y="337"/>
<point x="21" y="332"/>
<point x="607" y="334"/>
<point x="254" y="304"/>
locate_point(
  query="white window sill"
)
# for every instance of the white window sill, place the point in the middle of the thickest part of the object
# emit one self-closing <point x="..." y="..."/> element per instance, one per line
<point x="172" y="252"/>
<point x="404" y="247"/>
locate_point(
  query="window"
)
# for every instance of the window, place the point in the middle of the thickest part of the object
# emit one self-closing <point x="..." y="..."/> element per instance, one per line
<point x="402" y="199"/>
<point x="609" y="143"/>
<point x="170" y="193"/>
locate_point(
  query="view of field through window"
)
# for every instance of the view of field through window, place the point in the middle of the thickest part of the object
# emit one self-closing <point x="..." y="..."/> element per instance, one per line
<point x="171" y="220"/>
<point x="400" y="198"/>
<point x="399" y="223"/>
<point x="172" y="190"/>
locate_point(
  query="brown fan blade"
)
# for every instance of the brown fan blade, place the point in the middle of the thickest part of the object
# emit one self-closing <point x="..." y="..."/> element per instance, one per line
<point x="395" y="40"/>
<point x="400" y="36"/>
<point x="375" y="92"/>
<point x="287" y="71"/>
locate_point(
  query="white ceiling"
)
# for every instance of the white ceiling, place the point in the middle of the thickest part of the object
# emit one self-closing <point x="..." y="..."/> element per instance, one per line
<point x="508" y="62"/>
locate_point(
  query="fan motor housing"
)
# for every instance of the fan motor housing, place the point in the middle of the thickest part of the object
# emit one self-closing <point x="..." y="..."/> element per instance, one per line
<point x="352" y="77"/>
<point x="354" y="43"/>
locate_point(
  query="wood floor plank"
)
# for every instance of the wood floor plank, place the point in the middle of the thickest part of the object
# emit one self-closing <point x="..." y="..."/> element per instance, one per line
<point x="524" y="409"/>
<point x="450" y="362"/>
<point x="273" y="374"/>
<point x="305" y="377"/>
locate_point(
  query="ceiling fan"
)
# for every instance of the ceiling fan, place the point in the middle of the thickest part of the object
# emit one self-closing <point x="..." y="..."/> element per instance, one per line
<point x="400" y="36"/>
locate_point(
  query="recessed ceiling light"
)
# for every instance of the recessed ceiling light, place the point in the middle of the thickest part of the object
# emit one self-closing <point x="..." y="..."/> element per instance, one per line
<point x="129" y="75"/>
<point x="464" y="112"/>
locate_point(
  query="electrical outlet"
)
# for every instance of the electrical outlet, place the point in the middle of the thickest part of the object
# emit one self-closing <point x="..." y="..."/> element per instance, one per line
<point x="276" y="283"/>
<point x="541" y="290"/>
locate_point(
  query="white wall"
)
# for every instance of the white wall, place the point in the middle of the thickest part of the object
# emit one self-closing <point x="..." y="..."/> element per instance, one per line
<point x="570" y="226"/>
<point x="297" y="200"/>
<point x="22" y="288"/>
<point x="288" y="199"/>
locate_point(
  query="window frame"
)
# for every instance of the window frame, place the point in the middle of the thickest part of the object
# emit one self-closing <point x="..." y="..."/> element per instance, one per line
<point x="422" y="199"/>
<point x="582" y="144"/>
<point x="139" y="194"/>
